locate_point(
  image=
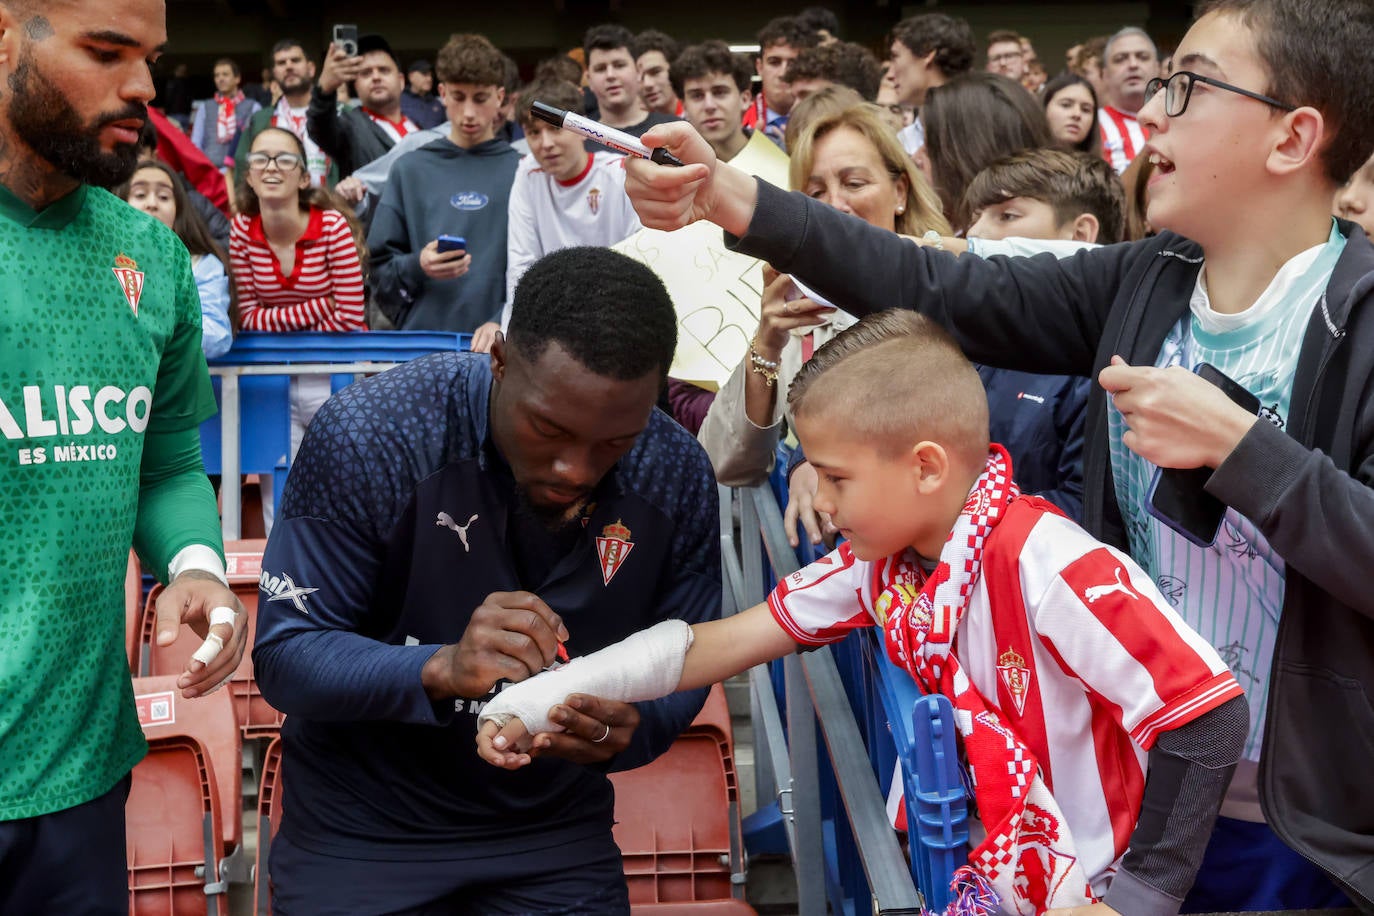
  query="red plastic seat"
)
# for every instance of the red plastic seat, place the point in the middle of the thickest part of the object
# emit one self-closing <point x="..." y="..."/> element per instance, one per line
<point x="675" y="844"/>
<point x="171" y="821"/>
<point x="269" y="818"/>
<point x="694" y="908"/>
<point x="210" y="721"/>
<point x="714" y="720"/>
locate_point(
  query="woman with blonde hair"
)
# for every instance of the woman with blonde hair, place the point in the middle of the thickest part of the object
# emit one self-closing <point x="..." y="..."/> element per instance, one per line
<point x="851" y="160"/>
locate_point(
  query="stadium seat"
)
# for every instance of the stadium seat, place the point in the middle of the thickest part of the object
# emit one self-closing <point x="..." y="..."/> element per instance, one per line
<point x="269" y="817"/>
<point x="675" y="844"/>
<point x="210" y="722"/>
<point x="714" y="721"/>
<point x="694" y="908"/>
<point x="133" y="608"/>
<point x="172" y="818"/>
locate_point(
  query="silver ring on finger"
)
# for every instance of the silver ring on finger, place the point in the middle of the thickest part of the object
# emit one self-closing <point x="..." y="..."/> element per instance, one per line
<point x="604" y="736"/>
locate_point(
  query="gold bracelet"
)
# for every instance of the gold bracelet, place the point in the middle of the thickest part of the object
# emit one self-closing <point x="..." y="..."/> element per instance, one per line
<point x="757" y="358"/>
<point x="769" y="375"/>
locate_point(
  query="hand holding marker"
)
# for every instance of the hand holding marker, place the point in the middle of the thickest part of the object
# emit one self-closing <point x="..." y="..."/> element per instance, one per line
<point x="607" y="136"/>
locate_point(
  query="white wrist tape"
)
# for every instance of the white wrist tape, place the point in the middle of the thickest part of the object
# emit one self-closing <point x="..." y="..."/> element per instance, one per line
<point x="645" y="666"/>
<point x="213" y="645"/>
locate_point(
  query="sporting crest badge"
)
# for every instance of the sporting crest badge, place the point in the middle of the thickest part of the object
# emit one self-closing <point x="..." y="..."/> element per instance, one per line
<point x="130" y="279"/>
<point x="613" y="546"/>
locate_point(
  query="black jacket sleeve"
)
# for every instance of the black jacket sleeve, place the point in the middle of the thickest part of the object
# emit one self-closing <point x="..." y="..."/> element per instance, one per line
<point x="327" y="128"/>
<point x="1039" y="314"/>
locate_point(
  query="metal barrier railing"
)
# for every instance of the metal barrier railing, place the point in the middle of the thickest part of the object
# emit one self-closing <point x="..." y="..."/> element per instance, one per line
<point x="788" y="767"/>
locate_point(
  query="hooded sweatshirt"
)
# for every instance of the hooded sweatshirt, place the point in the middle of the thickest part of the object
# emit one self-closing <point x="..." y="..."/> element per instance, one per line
<point x="438" y="189"/>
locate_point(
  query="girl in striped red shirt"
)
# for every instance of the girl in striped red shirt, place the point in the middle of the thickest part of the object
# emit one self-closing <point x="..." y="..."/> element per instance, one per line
<point x="296" y="257"/>
<point x="297" y="261"/>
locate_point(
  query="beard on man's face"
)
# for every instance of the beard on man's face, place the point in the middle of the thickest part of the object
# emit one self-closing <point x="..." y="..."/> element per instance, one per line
<point x="47" y="122"/>
<point x="555" y="519"/>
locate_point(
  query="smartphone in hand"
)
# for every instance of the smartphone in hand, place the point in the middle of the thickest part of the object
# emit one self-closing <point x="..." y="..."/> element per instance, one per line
<point x="1178" y="496"/>
<point x="346" y="39"/>
<point x="447" y="243"/>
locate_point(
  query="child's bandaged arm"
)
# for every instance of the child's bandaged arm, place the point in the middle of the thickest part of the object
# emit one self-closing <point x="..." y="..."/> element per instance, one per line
<point x="1189" y="770"/>
<point x="652" y="663"/>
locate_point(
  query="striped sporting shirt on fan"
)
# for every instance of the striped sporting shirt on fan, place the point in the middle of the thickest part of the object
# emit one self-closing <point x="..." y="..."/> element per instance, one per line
<point x="1111" y="666"/>
<point x="1122" y="137"/>
<point x="324" y="291"/>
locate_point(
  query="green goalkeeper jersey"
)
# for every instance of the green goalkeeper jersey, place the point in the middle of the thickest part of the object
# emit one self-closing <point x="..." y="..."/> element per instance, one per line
<point x="99" y="346"/>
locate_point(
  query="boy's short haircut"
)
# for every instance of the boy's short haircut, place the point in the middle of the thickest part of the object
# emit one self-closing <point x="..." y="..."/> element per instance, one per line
<point x="1003" y="35"/>
<point x="786" y="30"/>
<point x="1071" y="183"/>
<point x="609" y="312"/>
<point x="558" y="93"/>
<point x="950" y="37"/>
<point x="1318" y="53"/>
<point x="654" y="40"/>
<point x="607" y="37"/>
<point x="893" y="379"/>
<point x="700" y="61"/>
<point x="470" y="59"/>
<point x="559" y="67"/>
<point x="842" y="62"/>
<point x="230" y="63"/>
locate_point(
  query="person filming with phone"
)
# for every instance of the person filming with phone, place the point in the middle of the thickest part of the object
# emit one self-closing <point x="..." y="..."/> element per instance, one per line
<point x="353" y="137"/>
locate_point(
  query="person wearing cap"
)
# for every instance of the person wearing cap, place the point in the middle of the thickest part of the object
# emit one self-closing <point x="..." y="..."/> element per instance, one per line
<point x="419" y="101"/>
<point x="354" y="137"/>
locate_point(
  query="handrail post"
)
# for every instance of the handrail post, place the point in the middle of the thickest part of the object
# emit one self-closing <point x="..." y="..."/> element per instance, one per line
<point x="229" y="493"/>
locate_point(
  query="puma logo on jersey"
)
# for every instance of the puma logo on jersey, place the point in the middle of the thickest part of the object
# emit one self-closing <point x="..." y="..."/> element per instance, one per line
<point x="446" y="521"/>
<point x="1092" y="593"/>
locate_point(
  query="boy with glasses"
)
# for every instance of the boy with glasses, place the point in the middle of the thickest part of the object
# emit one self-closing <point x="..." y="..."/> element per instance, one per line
<point x="1253" y="276"/>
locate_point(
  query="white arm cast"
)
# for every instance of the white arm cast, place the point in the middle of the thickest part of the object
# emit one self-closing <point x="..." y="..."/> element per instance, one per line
<point x="645" y="666"/>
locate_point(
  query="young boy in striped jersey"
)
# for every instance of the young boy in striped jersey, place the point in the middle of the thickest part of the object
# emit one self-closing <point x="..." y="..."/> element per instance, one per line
<point x="1070" y="674"/>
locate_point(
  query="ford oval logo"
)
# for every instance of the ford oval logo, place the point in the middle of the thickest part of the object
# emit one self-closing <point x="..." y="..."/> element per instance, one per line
<point x="469" y="200"/>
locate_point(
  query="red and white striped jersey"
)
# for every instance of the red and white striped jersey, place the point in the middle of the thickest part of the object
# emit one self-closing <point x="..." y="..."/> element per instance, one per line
<point x="1111" y="665"/>
<point x="1122" y="137"/>
<point x="324" y="291"/>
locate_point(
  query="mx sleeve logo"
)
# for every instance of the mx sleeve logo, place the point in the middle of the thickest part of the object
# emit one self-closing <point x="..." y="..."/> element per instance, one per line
<point x="284" y="588"/>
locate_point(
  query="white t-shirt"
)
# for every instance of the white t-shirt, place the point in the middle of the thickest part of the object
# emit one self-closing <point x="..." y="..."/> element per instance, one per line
<point x="547" y="215"/>
<point x="1112" y="665"/>
<point x="913" y="136"/>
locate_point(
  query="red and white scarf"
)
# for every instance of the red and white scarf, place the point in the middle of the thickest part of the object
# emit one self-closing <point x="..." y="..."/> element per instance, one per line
<point x="226" y="125"/>
<point x="394" y="129"/>
<point x="1027" y="858"/>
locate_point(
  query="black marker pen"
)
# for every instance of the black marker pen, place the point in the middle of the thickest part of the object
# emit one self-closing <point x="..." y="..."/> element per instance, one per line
<point x="607" y="136"/>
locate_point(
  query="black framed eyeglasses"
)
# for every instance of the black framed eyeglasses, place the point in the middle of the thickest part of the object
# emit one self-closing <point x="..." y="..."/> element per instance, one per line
<point x="1178" y="89"/>
<point x="285" y="162"/>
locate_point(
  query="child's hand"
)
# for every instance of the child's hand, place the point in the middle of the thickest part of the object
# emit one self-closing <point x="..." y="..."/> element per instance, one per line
<point x="505" y="746"/>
